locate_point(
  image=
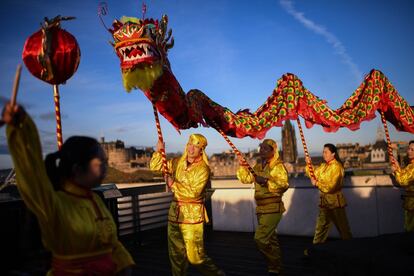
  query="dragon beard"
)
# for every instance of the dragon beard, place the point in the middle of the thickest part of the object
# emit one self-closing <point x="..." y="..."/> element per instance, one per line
<point x="142" y="78"/>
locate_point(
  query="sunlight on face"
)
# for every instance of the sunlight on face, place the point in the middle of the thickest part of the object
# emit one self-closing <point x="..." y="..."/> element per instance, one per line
<point x="327" y="154"/>
<point x="194" y="151"/>
<point x="410" y="151"/>
<point x="97" y="169"/>
<point x="266" y="151"/>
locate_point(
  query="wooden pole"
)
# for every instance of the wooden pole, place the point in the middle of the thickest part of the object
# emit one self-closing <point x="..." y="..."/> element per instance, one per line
<point x="56" y="98"/>
<point x="240" y="156"/>
<point x="161" y="138"/>
<point x="16" y="85"/>
<point x="305" y="149"/>
<point x="387" y="135"/>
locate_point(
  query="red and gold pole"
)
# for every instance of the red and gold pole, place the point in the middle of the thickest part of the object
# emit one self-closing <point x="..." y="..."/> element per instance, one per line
<point x="242" y="160"/>
<point x="160" y="137"/>
<point x="387" y="135"/>
<point x="56" y="98"/>
<point x="305" y="149"/>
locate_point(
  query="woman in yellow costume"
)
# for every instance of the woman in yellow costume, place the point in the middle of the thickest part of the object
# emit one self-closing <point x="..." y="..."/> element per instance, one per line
<point x="270" y="184"/>
<point x="405" y="178"/>
<point x="329" y="180"/>
<point x="187" y="178"/>
<point x="75" y="224"/>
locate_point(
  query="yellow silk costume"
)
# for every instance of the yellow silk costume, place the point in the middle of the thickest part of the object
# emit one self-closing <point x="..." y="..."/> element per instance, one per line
<point x="269" y="203"/>
<point x="187" y="212"/>
<point x="74" y="222"/>
<point x="330" y="178"/>
<point x="405" y="177"/>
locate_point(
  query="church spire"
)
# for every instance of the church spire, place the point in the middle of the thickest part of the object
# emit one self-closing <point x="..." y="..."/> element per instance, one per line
<point x="289" y="146"/>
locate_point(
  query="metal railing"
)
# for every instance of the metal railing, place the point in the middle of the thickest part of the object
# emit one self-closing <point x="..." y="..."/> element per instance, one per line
<point x="142" y="212"/>
<point x="9" y="180"/>
<point x="138" y="209"/>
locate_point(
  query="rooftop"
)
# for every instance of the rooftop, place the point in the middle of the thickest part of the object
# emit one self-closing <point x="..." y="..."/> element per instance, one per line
<point x="236" y="254"/>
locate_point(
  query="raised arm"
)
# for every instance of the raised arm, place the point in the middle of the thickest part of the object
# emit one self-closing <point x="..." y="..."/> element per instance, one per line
<point x="156" y="160"/>
<point x="405" y="176"/>
<point x="32" y="180"/>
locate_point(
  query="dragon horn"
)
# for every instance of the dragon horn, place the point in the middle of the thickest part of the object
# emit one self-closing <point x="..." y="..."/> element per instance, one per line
<point x="168" y="35"/>
<point x="171" y="44"/>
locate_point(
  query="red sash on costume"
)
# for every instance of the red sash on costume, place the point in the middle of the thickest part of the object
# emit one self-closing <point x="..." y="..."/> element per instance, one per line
<point x="95" y="265"/>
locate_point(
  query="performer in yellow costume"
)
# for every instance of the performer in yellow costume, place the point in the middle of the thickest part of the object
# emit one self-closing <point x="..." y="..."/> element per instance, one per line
<point x="188" y="177"/>
<point x="405" y="177"/>
<point x="329" y="180"/>
<point x="75" y="224"/>
<point x="270" y="184"/>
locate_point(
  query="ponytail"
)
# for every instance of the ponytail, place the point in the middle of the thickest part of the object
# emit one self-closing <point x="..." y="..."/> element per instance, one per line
<point x="53" y="170"/>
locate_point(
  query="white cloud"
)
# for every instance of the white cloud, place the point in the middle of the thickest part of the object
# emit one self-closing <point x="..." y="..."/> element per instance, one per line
<point x="329" y="37"/>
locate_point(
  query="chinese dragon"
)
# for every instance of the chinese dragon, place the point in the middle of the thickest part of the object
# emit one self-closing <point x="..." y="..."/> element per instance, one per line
<point x="142" y="46"/>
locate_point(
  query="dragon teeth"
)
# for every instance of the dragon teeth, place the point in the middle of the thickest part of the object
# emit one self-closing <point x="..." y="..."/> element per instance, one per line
<point x="146" y="49"/>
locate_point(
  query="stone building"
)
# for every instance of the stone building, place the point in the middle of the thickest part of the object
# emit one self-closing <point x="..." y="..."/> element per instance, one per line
<point x="225" y="164"/>
<point x="116" y="152"/>
<point x="141" y="156"/>
<point x="126" y="159"/>
<point x="300" y="166"/>
<point x="400" y="151"/>
<point x="353" y="155"/>
<point x="379" y="152"/>
<point x="378" y="155"/>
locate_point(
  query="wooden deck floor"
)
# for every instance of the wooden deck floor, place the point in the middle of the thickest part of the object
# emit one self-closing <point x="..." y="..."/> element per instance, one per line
<point x="234" y="252"/>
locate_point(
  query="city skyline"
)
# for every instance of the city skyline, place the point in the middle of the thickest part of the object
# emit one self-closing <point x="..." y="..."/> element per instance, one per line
<point x="233" y="51"/>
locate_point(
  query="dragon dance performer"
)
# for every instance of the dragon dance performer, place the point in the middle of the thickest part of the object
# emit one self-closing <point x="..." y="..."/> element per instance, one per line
<point x="75" y="224"/>
<point x="329" y="180"/>
<point x="188" y="177"/>
<point x="405" y="178"/>
<point x="270" y="184"/>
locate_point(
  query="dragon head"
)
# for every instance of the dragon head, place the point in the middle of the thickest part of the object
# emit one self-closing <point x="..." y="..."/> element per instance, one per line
<point x="141" y="46"/>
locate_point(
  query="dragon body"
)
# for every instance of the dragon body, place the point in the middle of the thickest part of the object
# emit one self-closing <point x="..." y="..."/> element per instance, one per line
<point x="142" y="47"/>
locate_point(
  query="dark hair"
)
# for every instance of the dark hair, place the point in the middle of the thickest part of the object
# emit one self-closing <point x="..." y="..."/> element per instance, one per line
<point x="411" y="142"/>
<point x="77" y="150"/>
<point x="333" y="149"/>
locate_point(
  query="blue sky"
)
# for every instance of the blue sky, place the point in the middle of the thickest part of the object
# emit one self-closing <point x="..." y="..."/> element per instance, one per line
<point x="234" y="51"/>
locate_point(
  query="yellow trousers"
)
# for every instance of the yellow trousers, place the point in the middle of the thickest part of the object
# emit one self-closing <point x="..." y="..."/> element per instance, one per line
<point x="186" y="245"/>
<point x="267" y="242"/>
<point x="326" y="218"/>
<point x="409" y="221"/>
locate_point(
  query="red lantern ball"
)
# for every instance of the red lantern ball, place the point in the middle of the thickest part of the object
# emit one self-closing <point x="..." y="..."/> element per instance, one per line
<point x="64" y="55"/>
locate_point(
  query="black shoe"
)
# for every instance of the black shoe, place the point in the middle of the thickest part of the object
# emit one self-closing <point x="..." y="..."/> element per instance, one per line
<point x="273" y="274"/>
